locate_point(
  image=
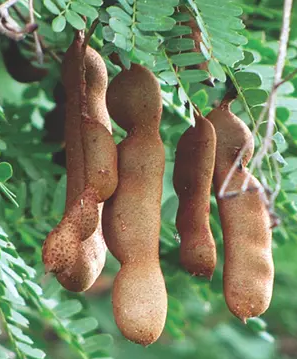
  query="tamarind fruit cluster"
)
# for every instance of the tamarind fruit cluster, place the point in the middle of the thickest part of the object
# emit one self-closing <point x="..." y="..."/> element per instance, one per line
<point x="75" y="250"/>
<point x="206" y="153"/>
<point x="114" y="195"/>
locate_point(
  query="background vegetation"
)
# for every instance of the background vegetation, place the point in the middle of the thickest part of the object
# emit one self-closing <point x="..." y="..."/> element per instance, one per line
<point x="39" y="318"/>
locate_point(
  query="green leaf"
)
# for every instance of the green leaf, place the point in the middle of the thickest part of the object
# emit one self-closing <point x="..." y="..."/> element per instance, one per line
<point x="255" y="96"/>
<point x="83" y="326"/>
<point x="248" y="79"/>
<point x="31" y="352"/>
<point x="148" y="23"/>
<point x="51" y="6"/>
<point x="120" y="27"/>
<point x="291" y="165"/>
<point x="122" y="42"/>
<point x="98" y="342"/>
<point x="193" y="76"/>
<point x="6" y="171"/>
<point x="38" y="190"/>
<point x="187" y="59"/>
<point x="75" y="20"/>
<point x="59" y="199"/>
<point x="126" y="6"/>
<point x="119" y="14"/>
<point x="149" y="8"/>
<point x="108" y="33"/>
<point x="216" y="70"/>
<point x="34" y="288"/>
<point x="3" y="145"/>
<point x="84" y="9"/>
<point x="18" y="318"/>
<point x="200" y="98"/>
<point x="18" y="334"/>
<point x="96" y="3"/>
<point x="181" y="44"/>
<point x="169" y="77"/>
<point x="68" y="308"/>
<point x="59" y="23"/>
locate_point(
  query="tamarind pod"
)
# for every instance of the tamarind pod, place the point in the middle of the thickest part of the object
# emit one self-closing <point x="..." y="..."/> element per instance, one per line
<point x="74" y="151"/>
<point x="131" y="217"/>
<point x="192" y="178"/>
<point x="248" y="268"/>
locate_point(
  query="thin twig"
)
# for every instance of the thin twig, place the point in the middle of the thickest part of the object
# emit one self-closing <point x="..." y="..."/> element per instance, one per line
<point x="45" y="48"/>
<point x="91" y="31"/>
<point x="38" y="49"/>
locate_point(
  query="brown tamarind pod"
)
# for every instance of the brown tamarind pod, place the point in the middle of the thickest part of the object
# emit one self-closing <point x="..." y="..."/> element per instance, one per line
<point x="248" y="269"/>
<point x="83" y="208"/>
<point x="19" y="67"/>
<point x="131" y="217"/>
<point x="192" y="178"/>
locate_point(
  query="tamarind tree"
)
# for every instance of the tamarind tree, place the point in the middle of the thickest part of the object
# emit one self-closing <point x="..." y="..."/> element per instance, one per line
<point x="197" y="50"/>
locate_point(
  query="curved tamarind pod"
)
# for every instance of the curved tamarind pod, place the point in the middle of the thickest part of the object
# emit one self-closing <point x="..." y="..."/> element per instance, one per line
<point x="248" y="268"/>
<point x="192" y="178"/>
<point x="131" y="217"/>
<point x="83" y="212"/>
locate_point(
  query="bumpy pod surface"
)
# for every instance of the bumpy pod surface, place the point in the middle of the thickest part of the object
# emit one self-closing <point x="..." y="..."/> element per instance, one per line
<point x="87" y="141"/>
<point x="192" y="178"/>
<point x="131" y="217"/>
<point x="248" y="268"/>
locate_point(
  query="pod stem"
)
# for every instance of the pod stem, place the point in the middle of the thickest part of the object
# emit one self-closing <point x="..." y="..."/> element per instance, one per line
<point x="230" y="96"/>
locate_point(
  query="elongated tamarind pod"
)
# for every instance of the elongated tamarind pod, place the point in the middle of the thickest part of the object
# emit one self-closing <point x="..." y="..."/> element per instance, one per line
<point x="75" y="251"/>
<point x="192" y="178"/>
<point x="131" y="217"/>
<point x="248" y="268"/>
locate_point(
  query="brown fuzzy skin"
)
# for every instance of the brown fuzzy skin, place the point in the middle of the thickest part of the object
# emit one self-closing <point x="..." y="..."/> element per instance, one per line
<point x="74" y="150"/>
<point x="131" y="217"/>
<point x="100" y="170"/>
<point x="192" y="178"/>
<point x="248" y="269"/>
<point x="75" y="251"/>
